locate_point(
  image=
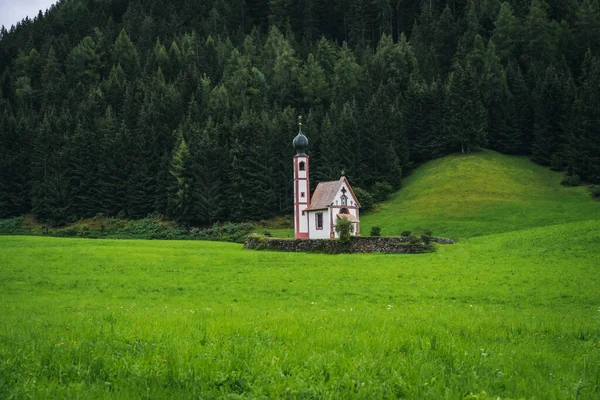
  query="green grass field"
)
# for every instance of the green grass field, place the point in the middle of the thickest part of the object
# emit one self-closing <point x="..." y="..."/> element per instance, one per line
<point x="511" y="311"/>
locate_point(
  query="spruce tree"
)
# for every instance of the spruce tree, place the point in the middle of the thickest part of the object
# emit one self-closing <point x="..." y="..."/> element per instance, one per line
<point x="506" y="35"/>
<point x="313" y="84"/>
<point x="583" y="127"/>
<point x="465" y="118"/>
<point x="379" y="161"/>
<point x="553" y="96"/>
<point x="498" y="102"/>
<point x="347" y="78"/>
<point x="181" y="189"/>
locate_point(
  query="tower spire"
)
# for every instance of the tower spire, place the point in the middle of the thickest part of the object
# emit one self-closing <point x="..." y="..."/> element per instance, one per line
<point x="301" y="184"/>
<point x="300" y="141"/>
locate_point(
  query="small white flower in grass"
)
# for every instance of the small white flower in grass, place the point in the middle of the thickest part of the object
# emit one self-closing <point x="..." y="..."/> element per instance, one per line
<point x="312" y="302"/>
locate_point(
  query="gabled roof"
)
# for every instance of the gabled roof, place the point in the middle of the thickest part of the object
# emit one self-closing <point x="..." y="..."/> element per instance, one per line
<point x="325" y="192"/>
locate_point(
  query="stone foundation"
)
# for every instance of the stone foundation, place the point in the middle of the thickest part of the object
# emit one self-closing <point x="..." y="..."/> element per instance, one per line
<point x="388" y="245"/>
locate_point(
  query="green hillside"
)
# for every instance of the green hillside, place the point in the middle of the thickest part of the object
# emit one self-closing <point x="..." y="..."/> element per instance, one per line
<point x="481" y="193"/>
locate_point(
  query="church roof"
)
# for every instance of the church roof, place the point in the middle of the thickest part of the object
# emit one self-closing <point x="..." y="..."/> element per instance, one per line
<point x="325" y="192"/>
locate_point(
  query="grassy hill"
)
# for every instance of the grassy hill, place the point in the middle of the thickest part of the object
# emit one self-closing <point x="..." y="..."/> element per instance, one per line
<point x="510" y="311"/>
<point x="482" y="193"/>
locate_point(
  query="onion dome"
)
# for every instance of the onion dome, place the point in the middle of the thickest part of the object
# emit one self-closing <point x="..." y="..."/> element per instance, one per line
<point x="300" y="142"/>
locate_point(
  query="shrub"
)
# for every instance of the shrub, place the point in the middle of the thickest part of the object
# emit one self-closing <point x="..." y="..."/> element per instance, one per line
<point x="595" y="191"/>
<point x="406" y="233"/>
<point x="147" y="228"/>
<point x="413" y="239"/>
<point x="381" y="191"/>
<point x="426" y="236"/>
<point x="364" y="198"/>
<point x="267" y="234"/>
<point x="286" y="222"/>
<point x="11" y="226"/>
<point x="66" y="232"/>
<point x="571" y="180"/>
<point x="375" y="231"/>
<point x="344" y="229"/>
<point x="233" y="232"/>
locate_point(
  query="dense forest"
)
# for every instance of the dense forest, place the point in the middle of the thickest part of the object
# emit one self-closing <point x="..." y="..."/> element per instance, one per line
<point x="188" y="108"/>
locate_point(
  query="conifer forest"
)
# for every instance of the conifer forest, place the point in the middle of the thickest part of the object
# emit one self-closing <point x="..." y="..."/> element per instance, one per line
<point x="188" y="108"/>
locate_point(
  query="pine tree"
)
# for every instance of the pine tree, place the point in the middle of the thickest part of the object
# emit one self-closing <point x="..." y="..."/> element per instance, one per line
<point x="313" y="84"/>
<point x="587" y="27"/>
<point x="83" y="63"/>
<point x="285" y="77"/>
<point x="522" y="120"/>
<point x="326" y="56"/>
<point x="181" y="189"/>
<point x="329" y="168"/>
<point x="464" y="114"/>
<point x="52" y="81"/>
<point x="113" y="166"/>
<point x="553" y="98"/>
<point x="347" y="80"/>
<point x="115" y="86"/>
<point x="83" y="174"/>
<point x="15" y="147"/>
<point x="473" y="29"/>
<point x="539" y="42"/>
<point x="583" y="148"/>
<point x="251" y="195"/>
<point x="125" y="54"/>
<point x="446" y="39"/>
<point x="497" y="100"/>
<point x="51" y="189"/>
<point x="423" y="113"/>
<point x="379" y="161"/>
<point x="506" y="35"/>
<point x="208" y="166"/>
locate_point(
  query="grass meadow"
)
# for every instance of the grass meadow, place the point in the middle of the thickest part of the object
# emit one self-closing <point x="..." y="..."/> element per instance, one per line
<point x="509" y="312"/>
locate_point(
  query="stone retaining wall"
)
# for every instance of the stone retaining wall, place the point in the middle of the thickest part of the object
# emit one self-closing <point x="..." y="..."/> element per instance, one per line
<point x="388" y="245"/>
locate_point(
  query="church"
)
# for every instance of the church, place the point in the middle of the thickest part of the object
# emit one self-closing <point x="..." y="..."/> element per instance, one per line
<point x="315" y="217"/>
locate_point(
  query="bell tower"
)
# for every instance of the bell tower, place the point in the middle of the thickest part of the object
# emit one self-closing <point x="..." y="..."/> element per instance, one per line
<point x="301" y="184"/>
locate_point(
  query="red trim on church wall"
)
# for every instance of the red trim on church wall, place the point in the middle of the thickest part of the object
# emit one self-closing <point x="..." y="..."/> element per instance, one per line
<point x="331" y="232"/>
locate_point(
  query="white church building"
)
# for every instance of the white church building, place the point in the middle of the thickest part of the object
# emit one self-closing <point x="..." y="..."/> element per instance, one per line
<point x="315" y="217"/>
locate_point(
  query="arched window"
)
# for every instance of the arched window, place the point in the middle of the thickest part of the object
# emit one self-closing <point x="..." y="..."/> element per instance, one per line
<point x="344" y="200"/>
<point x="302" y="166"/>
<point x="344" y="210"/>
<point x="319" y="221"/>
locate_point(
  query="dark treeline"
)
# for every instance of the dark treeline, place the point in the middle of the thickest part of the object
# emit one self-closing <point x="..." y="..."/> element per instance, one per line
<point x="188" y="108"/>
